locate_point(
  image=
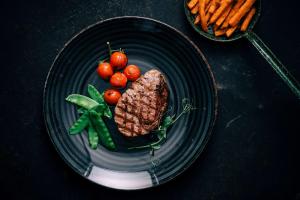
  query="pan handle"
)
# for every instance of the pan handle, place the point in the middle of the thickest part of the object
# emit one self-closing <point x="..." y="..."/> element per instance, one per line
<point x="278" y="67"/>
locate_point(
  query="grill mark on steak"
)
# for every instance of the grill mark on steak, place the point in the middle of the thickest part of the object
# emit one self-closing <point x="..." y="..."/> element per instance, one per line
<point x="142" y="105"/>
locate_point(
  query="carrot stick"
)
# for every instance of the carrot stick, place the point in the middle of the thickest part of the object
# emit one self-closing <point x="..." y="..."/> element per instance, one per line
<point x="202" y="15"/>
<point x="192" y="3"/>
<point x="230" y="31"/>
<point x="232" y="12"/>
<point x="224" y="5"/>
<point x="207" y="7"/>
<point x="207" y="2"/>
<point x="247" y="20"/>
<point x="216" y="28"/>
<point x="223" y="16"/>
<point x="208" y="15"/>
<point x="213" y="6"/>
<point x="195" y="9"/>
<point x="241" y="12"/>
<point x="197" y="19"/>
<point x="220" y="32"/>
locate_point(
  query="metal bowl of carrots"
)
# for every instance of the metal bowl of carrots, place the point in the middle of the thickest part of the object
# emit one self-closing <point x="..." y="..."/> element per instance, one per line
<point x="229" y="20"/>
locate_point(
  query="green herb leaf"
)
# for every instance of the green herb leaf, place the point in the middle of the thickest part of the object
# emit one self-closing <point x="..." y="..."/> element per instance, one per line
<point x="168" y="121"/>
<point x="80" y="124"/>
<point x="162" y="130"/>
<point x="162" y="134"/>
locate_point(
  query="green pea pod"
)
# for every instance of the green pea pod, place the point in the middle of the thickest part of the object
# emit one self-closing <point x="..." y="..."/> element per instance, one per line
<point x="94" y="93"/>
<point x="99" y="109"/>
<point x="80" y="124"/>
<point x="102" y="130"/>
<point x="107" y="112"/>
<point x="93" y="137"/>
<point x="82" y="101"/>
<point x="81" y="110"/>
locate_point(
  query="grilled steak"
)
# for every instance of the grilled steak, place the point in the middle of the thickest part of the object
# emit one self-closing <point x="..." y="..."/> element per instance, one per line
<point x="142" y="106"/>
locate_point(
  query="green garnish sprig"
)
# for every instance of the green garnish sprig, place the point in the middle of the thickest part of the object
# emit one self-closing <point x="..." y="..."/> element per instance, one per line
<point x="162" y="129"/>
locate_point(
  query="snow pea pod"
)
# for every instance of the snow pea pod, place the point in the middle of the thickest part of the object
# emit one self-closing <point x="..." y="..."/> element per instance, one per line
<point x="80" y="124"/>
<point x="94" y="93"/>
<point x="102" y="130"/>
<point x="100" y="108"/>
<point x="81" y="110"/>
<point x="93" y="137"/>
<point x="107" y="111"/>
<point x="82" y="101"/>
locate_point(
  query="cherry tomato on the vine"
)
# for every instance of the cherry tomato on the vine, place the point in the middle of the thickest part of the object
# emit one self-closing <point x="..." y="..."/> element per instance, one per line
<point x="118" y="80"/>
<point x="118" y="60"/>
<point x="132" y="72"/>
<point x="105" y="70"/>
<point x="111" y="96"/>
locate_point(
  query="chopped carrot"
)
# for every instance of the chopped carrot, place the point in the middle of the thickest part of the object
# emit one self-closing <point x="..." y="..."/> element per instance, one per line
<point x="195" y="9"/>
<point x="247" y="20"/>
<point x="207" y="7"/>
<point x="219" y="11"/>
<point x="241" y="12"/>
<point x="202" y="15"/>
<point x="223" y="16"/>
<point x="235" y="8"/>
<point x="230" y="31"/>
<point x="192" y="3"/>
<point x="216" y="27"/>
<point x="220" y="32"/>
<point x="207" y="2"/>
<point x="197" y="19"/>
<point x="208" y="15"/>
<point x="213" y="6"/>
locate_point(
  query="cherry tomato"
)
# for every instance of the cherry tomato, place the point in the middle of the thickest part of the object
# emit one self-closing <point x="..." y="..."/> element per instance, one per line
<point x="132" y="72"/>
<point x="112" y="96"/>
<point x="118" y="80"/>
<point x="105" y="70"/>
<point x="118" y="60"/>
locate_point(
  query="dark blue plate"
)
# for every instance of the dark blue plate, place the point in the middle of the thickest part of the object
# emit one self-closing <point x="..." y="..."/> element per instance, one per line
<point x="149" y="44"/>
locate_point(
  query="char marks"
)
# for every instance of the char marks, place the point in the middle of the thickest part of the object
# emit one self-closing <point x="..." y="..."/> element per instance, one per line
<point x="142" y="106"/>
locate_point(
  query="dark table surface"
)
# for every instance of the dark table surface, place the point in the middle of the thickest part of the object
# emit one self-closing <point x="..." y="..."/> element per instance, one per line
<point x="252" y="153"/>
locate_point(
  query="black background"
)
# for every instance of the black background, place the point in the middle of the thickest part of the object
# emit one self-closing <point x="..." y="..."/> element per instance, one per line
<point x="253" y="153"/>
